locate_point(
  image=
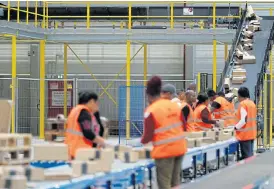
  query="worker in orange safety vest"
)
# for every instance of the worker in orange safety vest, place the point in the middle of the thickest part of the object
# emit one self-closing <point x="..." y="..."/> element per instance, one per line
<point x="163" y="127"/>
<point x="246" y="128"/>
<point x="202" y="116"/>
<point x="223" y="109"/>
<point x="82" y="129"/>
<point x="188" y="119"/>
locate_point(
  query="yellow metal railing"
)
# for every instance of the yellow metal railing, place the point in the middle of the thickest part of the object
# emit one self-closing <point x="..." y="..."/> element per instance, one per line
<point x="45" y="17"/>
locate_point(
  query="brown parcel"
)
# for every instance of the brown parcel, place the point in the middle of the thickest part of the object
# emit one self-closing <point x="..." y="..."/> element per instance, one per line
<point x="5" y="116"/>
<point x="50" y="152"/>
<point x="194" y="142"/>
<point x="199" y="134"/>
<point x="144" y="153"/>
<point x="16" y="182"/>
<point x="128" y="157"/>
<point x="90" y="167"/>
<point x="238" y="73"/>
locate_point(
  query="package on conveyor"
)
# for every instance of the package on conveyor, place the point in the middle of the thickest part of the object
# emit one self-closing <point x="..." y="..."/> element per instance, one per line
<point x="250" y="14"/>
<point x="91" y="154"/>
<point x="248" y="34"/>
<point x="254" y="28"/>
<point x="199" y="134"/>
<point x="227" y="83"/>
<point x="238" y="80"/>
<point x="248" y="58"/>
<point x="31" y="173"/>
<point x="193" y="142"/>
<point x="50" y="152"/>
<point x="221" y="135"/>
<point x="238" y="72"/>
<point x="248" y="46"/>
<point x="144" y="153"/>
<point x="246" y="41"/>
<point x="80" y="168"/>
<point x="13" y="182"/>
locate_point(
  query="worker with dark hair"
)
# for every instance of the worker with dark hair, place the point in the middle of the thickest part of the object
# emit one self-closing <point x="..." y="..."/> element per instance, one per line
<point x="82" y="129"/>
<point x="202" y="116"/>
<point x="246" y="128"/>
<point x="163" y="127"/>
<point x="190" y="98"/>
<point x="222" y="109"/>
<point x="211" y="95"/>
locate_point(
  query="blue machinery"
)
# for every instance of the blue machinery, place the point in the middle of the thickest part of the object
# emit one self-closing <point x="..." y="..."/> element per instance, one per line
<point x="142" y="173"/>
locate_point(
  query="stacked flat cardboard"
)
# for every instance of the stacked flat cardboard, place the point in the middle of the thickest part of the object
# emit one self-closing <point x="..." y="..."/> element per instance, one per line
<point x="239" y="72"/>
<point x="238" y="80"/>
<point x="50" y="152"/>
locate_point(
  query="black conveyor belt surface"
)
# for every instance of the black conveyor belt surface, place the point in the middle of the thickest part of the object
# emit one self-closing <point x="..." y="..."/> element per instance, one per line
<point x="237" y="176"/>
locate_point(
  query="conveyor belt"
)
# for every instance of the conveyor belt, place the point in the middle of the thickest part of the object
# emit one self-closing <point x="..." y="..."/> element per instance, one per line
<point x="237" y="176"/>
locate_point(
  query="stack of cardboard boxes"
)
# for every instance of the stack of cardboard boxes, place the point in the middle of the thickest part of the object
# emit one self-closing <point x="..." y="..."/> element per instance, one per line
<point x="55" y="130"/>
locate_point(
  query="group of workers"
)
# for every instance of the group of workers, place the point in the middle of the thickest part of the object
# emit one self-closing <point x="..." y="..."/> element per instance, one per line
<point x="170" y="114"/>
<point x="167" y="117"/>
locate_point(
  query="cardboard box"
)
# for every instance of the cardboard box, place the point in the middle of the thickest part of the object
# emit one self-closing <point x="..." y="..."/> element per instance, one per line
<point x="254" y="28"/>
<point x="34" y="174"/>
<point x="238" y="73"/>
<point x="199" y="134"/>
<point x="194" y="142"/>
<point x="255" y="22"/>
<point x="208" y="140"/>
<point x="121" y="148"/>
<point x="248" y="47"/>
<point x="239" y="54"/>
<point x="80" y="168"/>
<point x="129" y="157"/>
<point x="248" y="34"/>
<point x="143" y="153"/>
<point x="248" y="58"/>
<point x="50" y="152"/>
<point x="86" y="154"/>
<point x="58" y="176"/>
<point x="14" y="182"/>
<point x="227" y="83"/>
<point x="238" y="80"/>
<point x="246" y="41"/>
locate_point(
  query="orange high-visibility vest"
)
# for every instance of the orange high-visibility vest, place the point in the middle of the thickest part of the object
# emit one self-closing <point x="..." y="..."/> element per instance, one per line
<point x="168" y="140"/>
<point x="74" y="137"/>
<point x="199" y="124"/>
<point x="190" y="125"/>
<point x="225" y="112"/>
<point x="249" y="130"/>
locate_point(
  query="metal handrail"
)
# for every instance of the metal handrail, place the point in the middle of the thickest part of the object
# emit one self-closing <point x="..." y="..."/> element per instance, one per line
<point x="265" y="62"/>
<point x="228" y="67"/>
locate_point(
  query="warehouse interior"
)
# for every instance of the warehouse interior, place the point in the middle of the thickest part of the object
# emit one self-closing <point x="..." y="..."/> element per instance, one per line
<point x="52" y="50"/>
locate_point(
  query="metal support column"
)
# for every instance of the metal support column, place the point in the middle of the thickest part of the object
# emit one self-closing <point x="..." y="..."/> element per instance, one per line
<point x="8" y="11"/>
<point x="88" y="15"/>
<point x="214" y="65"/>
<point x="18" y="11"/>
<point x="35" y="14"/>
<point x="214" y="16"/>
<point x="27" y="13"/>
<point x="13" y="84"/>
<point x="65" y="79"/>
<point x="226" y="51"/>
<point x="198" y="82"/>
<point x="145" y="64"/>
<point x="265" y="111"/>
<point x="128" y="91"/>
<point x="171" y="15"/>
<point x="42" y="89"/>
<point x="129" y="17"/>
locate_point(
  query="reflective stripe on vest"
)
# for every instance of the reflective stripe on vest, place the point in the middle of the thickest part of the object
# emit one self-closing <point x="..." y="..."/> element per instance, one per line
<point x="73" y="132"/>
<point x="247" y="129"/>
<point x="166" y="128"/>
<point x="169" y="140"/>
